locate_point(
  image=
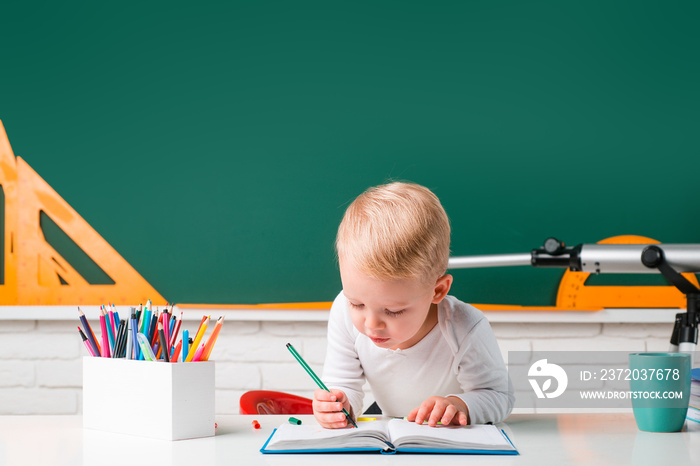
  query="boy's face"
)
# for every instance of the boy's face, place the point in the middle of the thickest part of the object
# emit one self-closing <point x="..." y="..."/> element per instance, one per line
<point x="394" y="314"/>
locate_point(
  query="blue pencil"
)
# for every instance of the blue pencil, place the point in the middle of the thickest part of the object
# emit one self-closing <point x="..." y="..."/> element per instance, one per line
<point x="116" y="315"/>
<point x="185" y="344"/>
<point x="152" y="327"/>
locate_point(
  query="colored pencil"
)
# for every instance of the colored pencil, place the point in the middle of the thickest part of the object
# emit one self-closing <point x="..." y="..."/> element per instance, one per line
<point x="166" y="332"/>
<point x="111" y="330"/>
<point x="119" y="342"/>
<point x="145" y="322"/>
<point x="316" y="379"/>
<point x="88" y="333"/>
<point x="116" y="316"/>
<point x="145" y="347"/>
<point x="198" y="354"/>
<point x="176" y="330"/>
<point x="185" y="344"/>
<point x="212" y="339"/>
<point x="161" y="335"/>
<point x="135" y="351"/>
<point x="198" y="338"/>
<point x="86" y="342"/>
<point x="176" y="351"/>
<point x="200" y="325"/>
<point x="129" y="344"/>
<point x="105" y="337"/>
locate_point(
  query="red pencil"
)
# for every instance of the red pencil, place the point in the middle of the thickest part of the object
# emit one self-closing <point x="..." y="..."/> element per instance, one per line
<point x="176" y="353"/>
<point x="176" y="330"/>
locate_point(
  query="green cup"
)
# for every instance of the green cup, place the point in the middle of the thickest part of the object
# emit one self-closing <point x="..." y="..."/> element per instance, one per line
<point x="660" y="390"/>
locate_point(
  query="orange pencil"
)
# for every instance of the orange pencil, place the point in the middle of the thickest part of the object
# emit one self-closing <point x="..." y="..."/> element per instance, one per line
<point x="212" y="339"/>
<point x="200" y="325"/>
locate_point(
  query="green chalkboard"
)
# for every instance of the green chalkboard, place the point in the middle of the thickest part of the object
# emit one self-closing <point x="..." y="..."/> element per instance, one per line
<point x="215" y="145"/>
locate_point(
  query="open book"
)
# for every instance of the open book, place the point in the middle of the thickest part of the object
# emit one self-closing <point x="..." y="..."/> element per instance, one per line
<point x="395" y="435"/>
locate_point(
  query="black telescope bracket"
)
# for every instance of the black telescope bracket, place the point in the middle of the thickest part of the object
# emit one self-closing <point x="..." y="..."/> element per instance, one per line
<point x="685" y="329"/>
<point x="554" y="253"/>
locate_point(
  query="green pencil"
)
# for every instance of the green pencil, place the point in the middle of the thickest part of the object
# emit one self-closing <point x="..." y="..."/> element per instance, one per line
<point x="318" y="381"/>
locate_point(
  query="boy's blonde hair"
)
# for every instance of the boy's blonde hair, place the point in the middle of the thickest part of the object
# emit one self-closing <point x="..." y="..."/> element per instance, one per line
<point x="394" y="231"/>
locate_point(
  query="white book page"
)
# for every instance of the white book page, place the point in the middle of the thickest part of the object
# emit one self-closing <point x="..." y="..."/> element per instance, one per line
<point x="480" y="437"/>
<point x="312" y="436"/>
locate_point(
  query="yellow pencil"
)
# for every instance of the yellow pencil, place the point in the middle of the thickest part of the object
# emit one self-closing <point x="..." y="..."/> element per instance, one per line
<point x="197" y="339"/>
<point x="212" y="339"/>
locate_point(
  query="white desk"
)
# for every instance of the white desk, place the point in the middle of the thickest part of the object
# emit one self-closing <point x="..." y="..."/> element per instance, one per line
<point x="543" y="439"/>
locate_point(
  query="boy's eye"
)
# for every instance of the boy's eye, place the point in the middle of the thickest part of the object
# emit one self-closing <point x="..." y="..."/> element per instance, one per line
<point x="393" y="313"/>
<point x="357" y="306"/>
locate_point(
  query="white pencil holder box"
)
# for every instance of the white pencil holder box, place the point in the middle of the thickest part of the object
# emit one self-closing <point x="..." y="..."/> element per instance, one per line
<point x="170" y="401"/>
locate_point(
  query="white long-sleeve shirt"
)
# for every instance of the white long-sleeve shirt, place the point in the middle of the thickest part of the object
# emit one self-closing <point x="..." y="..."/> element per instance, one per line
<point x="458" y="357"/>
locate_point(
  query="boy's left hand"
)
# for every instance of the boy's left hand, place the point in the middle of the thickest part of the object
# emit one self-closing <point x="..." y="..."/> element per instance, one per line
<point x="447" y="410"/>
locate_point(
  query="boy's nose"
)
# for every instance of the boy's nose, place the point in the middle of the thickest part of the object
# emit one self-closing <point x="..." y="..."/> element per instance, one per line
<point x="372" y="322"/>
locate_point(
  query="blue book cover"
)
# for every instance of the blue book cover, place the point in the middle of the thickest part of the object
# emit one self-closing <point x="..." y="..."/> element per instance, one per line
<point x="388" y="437"/>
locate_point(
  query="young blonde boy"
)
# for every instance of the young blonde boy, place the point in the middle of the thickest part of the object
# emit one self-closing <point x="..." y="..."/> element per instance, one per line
<point x="426" y="355"/>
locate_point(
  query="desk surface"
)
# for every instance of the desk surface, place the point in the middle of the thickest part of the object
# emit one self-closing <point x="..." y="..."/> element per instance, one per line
<point x="598" y="439"/>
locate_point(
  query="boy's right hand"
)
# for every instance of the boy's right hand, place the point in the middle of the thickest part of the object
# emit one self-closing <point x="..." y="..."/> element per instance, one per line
<point x="328" y="408"/>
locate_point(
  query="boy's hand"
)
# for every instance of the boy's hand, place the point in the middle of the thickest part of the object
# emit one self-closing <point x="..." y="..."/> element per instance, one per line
<point x="449" y="410"/>
<point x="328" y="408"/>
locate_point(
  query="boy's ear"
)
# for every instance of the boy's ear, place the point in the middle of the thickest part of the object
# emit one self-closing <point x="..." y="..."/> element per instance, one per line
<point x="442" y="287"/>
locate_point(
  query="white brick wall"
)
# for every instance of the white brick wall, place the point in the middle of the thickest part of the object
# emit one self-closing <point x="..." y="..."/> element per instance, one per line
<point x="41" y="371"/>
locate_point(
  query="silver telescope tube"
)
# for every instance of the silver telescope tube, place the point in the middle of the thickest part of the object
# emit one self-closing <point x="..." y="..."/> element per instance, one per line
<point x="626" y="258"/>
<point x="593" y="258"/>
<point x="489" y="260"/>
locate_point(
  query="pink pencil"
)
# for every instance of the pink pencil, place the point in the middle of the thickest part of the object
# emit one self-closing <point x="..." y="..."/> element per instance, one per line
<point x="198" y="354"/>
<point x="111" y="321"/>
<point x="166" y="331"/>
<point x="86" y="342"/>
<point x="105" y="337"/>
